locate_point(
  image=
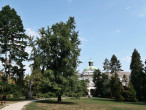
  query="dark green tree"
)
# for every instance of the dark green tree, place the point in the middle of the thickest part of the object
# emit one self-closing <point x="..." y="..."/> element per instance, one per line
<point x="101" y="81"/>
<point x="115" y="64"/>
<point x="137" y="74"/>
<point x="76" y="88"/>
<point x="116" y="87"/>
<point x="105" y="86"/>
<point x="144" y="84"/>
<point x="125" y="80"/>
<point x="129" y="93"/>
<point x="106" y="65"/>
<point x="97" y="79"/>
<point x="56" y="54"/>
<point x="13" y="42"/>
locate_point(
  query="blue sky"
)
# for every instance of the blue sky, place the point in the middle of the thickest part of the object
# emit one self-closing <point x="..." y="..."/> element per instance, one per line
<point x="106" y="27"/>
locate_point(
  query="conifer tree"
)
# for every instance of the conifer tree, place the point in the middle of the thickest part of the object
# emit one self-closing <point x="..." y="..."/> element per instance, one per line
<point x="13" y="42"/>
<point x="116" y="87"/>
<point x="106" y="65"/>
<point x="97" y="81"/>
<point x="136" y="67"/>
<point x="115" y="64"/>
<point x="125" y="80"/>
<point x="129" y="93"/>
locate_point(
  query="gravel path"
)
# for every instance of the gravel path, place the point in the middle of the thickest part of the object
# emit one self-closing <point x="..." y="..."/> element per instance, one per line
<point x="16" y="106"/>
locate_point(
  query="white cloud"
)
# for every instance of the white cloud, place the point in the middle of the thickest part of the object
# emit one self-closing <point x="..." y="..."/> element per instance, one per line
<point x="126" y="59"/>
<point x="141" y="15"/>
<point x="69" y="1"/>
<point x="82" y="39"/>
<point x="128" y="8"/>
<point x="31" y="32"/>
<point x="117" y="30"/>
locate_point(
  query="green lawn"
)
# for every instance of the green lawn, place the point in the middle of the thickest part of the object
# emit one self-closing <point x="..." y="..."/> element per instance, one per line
<point x="85" y="104"/>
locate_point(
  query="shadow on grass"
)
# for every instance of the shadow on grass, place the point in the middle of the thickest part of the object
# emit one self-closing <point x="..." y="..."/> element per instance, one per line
<point x="54" y="102"/>
<point x="115" y="101"/>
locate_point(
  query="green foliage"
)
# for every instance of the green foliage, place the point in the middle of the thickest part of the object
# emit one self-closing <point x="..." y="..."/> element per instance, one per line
<point x="106" y="65"/>
<point x="13" y="43"/>
<point x="129" y="93"/>
<point x="76" y="88"/>
<point x="101" y="81"/>
<point x="97" y="81"/>
<point x="116" y="87"/>
<point x="56" y="53"/>
<point x="125" y="80"/>
<point x="36" y="77"/>
<point x="137" y="74"/>
<point x="105" y="87"/>
<point x="115" y="64"/>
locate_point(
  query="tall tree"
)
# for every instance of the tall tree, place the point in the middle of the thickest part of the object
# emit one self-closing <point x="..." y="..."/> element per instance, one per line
<point x="144" y="83"/>
<point x="137" y="73"/>
<point x="115" y="64"/>
<point x="13" y="42"/>
<point x="58" y="49"/>
<point x="106" y="65"/>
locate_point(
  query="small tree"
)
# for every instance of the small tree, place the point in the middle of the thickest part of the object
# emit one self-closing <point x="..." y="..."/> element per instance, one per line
<point x="116" y="87"/>
<point x="125" y="80"/>
<point x="129" y="93"/>
<point x="106" y="65"/>
<point x="105" y="86"/>
<point x="115" y="64"/>
<point x="97" y="81"/>
<point x="101" y="81"/>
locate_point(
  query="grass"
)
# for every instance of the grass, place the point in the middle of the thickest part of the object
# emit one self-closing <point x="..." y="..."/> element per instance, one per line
<point x="85" y="104"/>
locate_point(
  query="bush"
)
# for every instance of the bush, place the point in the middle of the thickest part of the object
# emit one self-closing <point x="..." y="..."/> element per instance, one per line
<point x="129" y="96"/>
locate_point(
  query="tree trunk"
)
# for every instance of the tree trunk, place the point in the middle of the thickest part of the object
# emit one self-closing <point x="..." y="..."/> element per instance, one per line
<point x="9" y="68"/>
<point x="4" y="97"/>
<point x="59" y="98"/>
<point x="6" y="63"/>
<point x="29" y="95"/>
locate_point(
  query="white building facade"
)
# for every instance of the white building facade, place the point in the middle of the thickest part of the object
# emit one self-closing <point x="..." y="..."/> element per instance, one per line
<point x="88" y="74"/>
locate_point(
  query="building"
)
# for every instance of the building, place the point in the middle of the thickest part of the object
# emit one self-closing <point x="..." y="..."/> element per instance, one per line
<point x="88" y="74"/>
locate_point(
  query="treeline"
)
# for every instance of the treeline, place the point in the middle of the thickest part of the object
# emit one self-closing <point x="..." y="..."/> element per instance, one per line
<point x="54" y="55"/>
<point x="129" y="88"/>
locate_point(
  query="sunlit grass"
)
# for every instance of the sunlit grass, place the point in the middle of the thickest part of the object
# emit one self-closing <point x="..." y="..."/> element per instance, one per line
<point x="85" y="104"/>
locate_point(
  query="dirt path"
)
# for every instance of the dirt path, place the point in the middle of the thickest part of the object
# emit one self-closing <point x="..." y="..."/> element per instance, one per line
<point x="16" y="106"/>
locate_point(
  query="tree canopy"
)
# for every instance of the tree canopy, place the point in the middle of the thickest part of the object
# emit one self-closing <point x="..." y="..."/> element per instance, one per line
<point x="13" y="42"/>
<point x="56" y="53"/>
